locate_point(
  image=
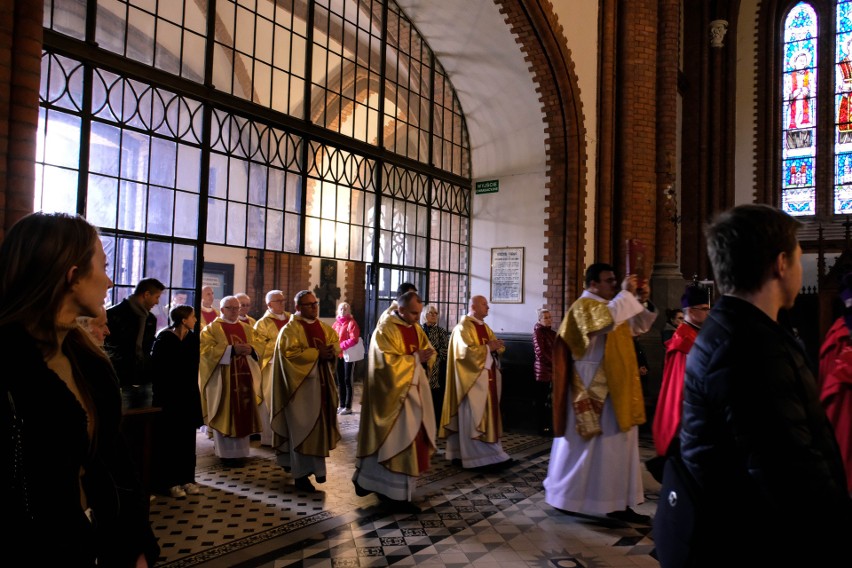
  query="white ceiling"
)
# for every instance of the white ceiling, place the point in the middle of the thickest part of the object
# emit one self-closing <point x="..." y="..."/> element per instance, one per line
<point x="492" y="81"/>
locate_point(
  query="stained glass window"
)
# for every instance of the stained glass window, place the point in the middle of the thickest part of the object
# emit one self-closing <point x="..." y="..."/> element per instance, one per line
<point x="816" y="142"/>
<point x="800" y="111"/>
<point x="843" y="102"/>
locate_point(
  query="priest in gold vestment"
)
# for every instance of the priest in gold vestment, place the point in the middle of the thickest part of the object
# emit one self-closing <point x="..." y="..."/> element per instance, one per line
<point x="471" y="420"/>
<point x="598" y="404"/>
<point x="266" y="331"/>
<point x="397" y="432"/>
<point x="229" y="379"/>
<point x="304" y="394"/>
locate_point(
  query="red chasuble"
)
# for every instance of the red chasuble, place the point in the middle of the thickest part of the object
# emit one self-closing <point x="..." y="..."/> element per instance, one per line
<point x="241" y="385"/>
<point x="280" y="323"/>
<point x="493" y="399"/>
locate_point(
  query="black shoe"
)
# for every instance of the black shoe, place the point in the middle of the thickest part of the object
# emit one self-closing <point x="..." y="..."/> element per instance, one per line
<point x="628" y="515"/>
<point x="496" y="467"/>
<point x="319" y="478"/>
<point x="360" y="491"/>
<point x="304" y="484"/>
<point x="457" y="462"/>
<point x="402" y="507"/>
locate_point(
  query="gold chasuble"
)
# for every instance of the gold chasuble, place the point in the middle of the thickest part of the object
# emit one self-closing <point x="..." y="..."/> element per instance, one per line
<point x="617" y="376"/>
<point x="266" y="335"/>
<point x="228" y="391"/>
<point x="390" y="377"/>
<point x="295" y="362"/>
<point x="466" y="357"/>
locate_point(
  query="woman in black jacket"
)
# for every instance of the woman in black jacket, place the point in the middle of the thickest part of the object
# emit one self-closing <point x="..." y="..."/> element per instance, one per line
<point x="174" y="360"/>
<point x="67" y="478"/>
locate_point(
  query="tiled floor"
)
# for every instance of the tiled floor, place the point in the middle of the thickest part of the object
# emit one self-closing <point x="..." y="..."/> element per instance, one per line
<point x="252" y="516"/>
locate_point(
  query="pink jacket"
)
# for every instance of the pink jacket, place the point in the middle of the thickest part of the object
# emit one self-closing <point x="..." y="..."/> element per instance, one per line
<point x="348" y="331"/>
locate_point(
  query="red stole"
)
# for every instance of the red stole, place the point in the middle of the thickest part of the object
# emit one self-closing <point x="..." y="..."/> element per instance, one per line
<point x="421" y="441"/>
<point x="493" y="399"/>
<point x="281" y="323"/>
<point x="208" y="317"/>
<point x="409" y="338"/>
<point x="241" y="385"/>
<point x="316" y="339"/>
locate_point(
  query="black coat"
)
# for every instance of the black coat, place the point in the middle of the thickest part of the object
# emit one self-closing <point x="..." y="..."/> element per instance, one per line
<point x="132" y="367"/>
<point x="757" y="440"/>
<point x="175" y="378"/>
<point x="39" y="476"/>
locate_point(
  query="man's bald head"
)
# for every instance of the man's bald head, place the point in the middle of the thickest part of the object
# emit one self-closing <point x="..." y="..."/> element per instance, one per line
<point x="478" y="307"/>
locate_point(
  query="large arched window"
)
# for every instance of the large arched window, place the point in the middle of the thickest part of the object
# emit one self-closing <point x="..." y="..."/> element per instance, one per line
<point x="320" y="128"/>
<point x="816" y="130"/>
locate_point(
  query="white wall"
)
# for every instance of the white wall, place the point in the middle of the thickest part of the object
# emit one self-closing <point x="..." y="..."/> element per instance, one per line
<point x="579" y="19"/>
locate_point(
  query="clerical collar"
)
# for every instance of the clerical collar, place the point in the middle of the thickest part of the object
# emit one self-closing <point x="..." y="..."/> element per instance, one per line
<point x="229" y="321"/>
<point x="306" y="319"/>
<point x="279" y="316"/>
<point x="476" y="320"/>
<point x="206" y="309"/>
<point x="397" y="314"/>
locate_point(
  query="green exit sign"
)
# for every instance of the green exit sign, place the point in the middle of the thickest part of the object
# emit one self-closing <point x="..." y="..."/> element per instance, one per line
<point x="491" y="186"/>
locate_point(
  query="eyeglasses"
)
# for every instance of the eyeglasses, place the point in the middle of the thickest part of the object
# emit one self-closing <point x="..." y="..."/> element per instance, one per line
<point x="275" y="301"/>
<point x="311" y="305"/>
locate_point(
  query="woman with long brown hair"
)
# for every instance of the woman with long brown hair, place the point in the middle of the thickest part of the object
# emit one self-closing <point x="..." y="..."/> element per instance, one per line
<point x="67" y="480"/>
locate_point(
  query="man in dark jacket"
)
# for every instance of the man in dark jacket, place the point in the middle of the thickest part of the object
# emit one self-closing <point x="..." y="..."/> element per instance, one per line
<point x="753" y="433"/>
<point x="132" y="329"/>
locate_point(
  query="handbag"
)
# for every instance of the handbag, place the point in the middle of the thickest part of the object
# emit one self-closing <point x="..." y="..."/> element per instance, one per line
<point x="354" y="353"/>
<point x="676" y="523"/>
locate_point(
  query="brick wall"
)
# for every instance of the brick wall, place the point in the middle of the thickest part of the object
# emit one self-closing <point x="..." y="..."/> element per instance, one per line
<point x="20" y="77"/>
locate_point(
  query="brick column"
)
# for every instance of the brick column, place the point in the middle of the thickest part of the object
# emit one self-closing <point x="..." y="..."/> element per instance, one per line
<point x="634" y="203"/>
<point x="20" y="77"/>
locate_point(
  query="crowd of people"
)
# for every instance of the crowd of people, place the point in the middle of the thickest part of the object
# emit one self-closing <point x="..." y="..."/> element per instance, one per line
<point x="757" y="433"/>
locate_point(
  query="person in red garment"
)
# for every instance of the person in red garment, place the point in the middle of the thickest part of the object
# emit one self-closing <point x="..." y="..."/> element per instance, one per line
<point x="835" y="377"/>
<point x="837" y="337"/>
<point x="695" y="304"/>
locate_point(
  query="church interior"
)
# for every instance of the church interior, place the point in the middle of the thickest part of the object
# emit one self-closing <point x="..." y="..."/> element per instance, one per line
<point x="490" y="147"/>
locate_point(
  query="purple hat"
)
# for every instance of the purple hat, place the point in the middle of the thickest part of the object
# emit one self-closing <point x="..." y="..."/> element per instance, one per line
<point x="694" y="296"/>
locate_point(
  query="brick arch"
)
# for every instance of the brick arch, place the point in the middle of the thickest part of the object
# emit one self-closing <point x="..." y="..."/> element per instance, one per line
<point x="543" y="43"/>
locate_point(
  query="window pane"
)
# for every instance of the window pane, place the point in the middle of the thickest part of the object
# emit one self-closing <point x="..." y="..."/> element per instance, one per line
<point x="160" y="210"/>
<point x="186" y="215"/>
<point x="100" y="205"/>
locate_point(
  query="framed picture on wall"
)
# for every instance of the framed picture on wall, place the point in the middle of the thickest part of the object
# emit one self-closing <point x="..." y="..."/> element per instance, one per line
<point x="507" y="275"/>
<point x="220" y="277"/>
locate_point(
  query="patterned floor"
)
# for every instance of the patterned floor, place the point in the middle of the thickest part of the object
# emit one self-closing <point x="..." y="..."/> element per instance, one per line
<point x="252" y="516"/>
